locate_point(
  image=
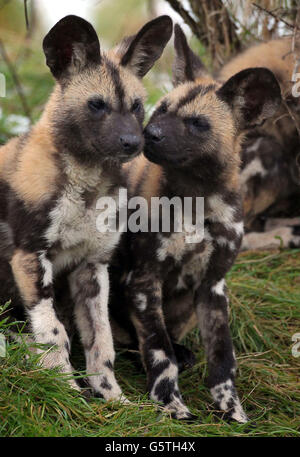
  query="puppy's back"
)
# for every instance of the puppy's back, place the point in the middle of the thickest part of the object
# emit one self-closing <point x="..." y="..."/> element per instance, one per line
<point x="275" y="55"/>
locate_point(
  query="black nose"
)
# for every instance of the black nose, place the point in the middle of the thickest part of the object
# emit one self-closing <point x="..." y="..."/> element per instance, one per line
<point x="153" y="133"/>
<point x="130" y="142"/>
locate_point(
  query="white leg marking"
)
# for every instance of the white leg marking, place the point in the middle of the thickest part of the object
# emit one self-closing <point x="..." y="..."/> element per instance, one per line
<point x="219" y="287"/>
<point x="47" y="268"/>
<point x="48" y="329"/>
<point x="176" y="404"/>
<point x="141" y="301"/>
<point x="226" y="397"/>
<point x="100" y="353"/>
<point x="239" y="227"/>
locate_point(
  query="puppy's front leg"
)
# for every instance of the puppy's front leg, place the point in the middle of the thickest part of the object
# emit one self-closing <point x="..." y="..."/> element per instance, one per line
<point x="145" y="301"/>
<point x="211" y="303"/>
<point x="89" y="285"/>
<point x="33" y="274"/>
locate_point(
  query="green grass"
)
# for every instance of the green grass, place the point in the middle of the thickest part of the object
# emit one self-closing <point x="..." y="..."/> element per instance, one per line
<point x="265" y="303"/>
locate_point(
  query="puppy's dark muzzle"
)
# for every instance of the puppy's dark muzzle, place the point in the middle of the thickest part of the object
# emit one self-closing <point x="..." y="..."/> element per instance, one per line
<point x="131" y="143"/>
<point x="153" y="134"/>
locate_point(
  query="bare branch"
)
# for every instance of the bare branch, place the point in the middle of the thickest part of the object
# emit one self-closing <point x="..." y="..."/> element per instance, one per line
<point x="296" y="54"/>
<point x="212" y="25"/>
<point x="26" y="15"/>
<point x="273" y="15"/>
<point x="176" y="5"/>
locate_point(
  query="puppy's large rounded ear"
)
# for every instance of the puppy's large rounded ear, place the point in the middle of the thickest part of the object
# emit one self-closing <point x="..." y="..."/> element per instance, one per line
<point x="71" y="46"/>
<point x="253" y="95"/>
<point x="187" y="66"/>
<point x="142" y="50"/>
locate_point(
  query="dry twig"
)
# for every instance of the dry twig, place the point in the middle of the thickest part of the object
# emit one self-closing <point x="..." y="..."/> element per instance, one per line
<point x="212" y="25"/>
<point x="26" y="15"/>
<point x="176" y="5"/>
<point x="296" y="53"/>
<point x="280" y="19"/>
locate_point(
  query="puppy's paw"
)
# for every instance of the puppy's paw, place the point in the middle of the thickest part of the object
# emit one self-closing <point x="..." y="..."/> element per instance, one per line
<point x="227" y="401"/>
<point x="179" y="411"/>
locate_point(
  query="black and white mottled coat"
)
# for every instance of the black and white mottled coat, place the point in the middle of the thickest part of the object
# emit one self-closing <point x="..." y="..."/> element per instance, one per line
<point x="54" y="253"/>
<point x="168" y="285"/>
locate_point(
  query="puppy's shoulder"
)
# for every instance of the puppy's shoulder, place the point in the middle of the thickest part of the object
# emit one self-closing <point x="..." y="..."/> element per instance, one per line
<point x="30" y="167"/>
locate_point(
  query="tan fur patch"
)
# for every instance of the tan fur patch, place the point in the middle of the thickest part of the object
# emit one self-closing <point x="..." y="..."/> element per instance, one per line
<point x="274" y="54"/>
<point x="7" y="156"/>
<point x="151" y="186"/>
<point x="31" y="169"/>
<point x="35" y="177"/>
<point x="135" y="170"/>
<point x="25" y="269"/>
<point x="144" y="176"/>
<point x="248" y="202"/>
<point x="266" y="198"/>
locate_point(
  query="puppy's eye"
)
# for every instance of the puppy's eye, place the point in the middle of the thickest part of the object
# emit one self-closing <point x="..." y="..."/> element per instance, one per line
<point x="97" y="105"/>
<point x="136" y="106"/>
<point x="200" y="124"/>
<point x="163" y="108"/>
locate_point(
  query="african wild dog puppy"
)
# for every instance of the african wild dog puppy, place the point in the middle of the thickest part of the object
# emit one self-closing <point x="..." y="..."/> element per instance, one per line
<point x="192" y="144"/>
<point x="51" y="180"/>
<point x="270" y="177"/>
